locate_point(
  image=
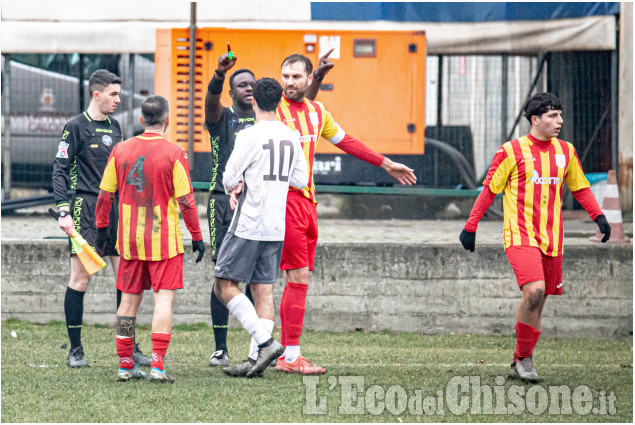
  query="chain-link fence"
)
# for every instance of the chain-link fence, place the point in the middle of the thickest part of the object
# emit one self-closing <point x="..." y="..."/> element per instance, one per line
<point x="41" y="93"/>
<point x="474" y="103"/>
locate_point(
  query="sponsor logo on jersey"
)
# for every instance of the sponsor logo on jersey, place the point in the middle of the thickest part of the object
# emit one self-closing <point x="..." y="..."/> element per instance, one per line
<point x="65" y="135"/>
<point x="103" y="130"/>
<point x="107" y="140"/>
<point x="62" y="150"/>
<point x="559" y="285"/>
<point x="536" y="179"/>
<point x="527" y="160"/>
<point x="561" y="161"/>
<point x="309" y="138"/>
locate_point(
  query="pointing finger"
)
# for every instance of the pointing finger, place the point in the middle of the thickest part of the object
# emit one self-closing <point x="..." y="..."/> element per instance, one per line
<point x="327" y="54"/>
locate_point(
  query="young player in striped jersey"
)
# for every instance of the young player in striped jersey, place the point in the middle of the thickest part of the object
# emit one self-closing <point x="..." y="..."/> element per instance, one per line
<point x="267" y="159"/>
<point x="531" y="171"/>
<point x="153" y="180"/>
<point x="312" y="121"/>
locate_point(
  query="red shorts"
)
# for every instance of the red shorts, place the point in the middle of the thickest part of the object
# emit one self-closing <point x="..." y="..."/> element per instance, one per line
<point x="530" y="264"/>
<point x="301" y="233"/>
<point x="135" y="276"/>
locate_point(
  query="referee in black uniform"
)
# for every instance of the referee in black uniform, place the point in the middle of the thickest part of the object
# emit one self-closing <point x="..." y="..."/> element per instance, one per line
<point x="223" y="124"/>
<point x="82" y="154"/>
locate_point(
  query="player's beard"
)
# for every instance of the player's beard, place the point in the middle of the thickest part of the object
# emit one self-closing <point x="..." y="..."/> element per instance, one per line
<point x="298" y="96"/>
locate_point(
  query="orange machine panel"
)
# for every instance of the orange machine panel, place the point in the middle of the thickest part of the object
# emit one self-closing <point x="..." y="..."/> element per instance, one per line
<point x="375" y="92"/>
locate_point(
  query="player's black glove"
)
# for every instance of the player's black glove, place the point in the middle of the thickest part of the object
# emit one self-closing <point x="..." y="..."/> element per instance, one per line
<point x="200" y="247"/>
<point x="605" y="227"/>
<point x="103" y="240"/>
<point x="468" y="239"/>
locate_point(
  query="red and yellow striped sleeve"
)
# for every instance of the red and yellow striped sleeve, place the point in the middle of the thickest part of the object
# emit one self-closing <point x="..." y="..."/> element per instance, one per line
<point x="181" y="180"/>
<point x="109" y="179"/>
<point x="502" y="166"/>
<point x="574" y="176"/>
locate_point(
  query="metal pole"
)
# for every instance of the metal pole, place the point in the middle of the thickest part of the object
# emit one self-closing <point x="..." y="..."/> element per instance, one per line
<point x="6" y="137"/>
<point x="504" y="95"/>
<point x="82" y="97"/>
<point x="190" y="124"/>
<point x="615" y="75"/>
<point x="130" y="103"/>
<point x="440" y="97"/>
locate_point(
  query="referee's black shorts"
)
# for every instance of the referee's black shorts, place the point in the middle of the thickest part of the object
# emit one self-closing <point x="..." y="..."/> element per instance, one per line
<point x="83" y="213"/>
<point x="219" y="217"/>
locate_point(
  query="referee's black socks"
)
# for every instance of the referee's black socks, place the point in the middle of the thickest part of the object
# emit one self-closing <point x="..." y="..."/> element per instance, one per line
<point x="220" y="318"/>
<point x="74" y="312"/>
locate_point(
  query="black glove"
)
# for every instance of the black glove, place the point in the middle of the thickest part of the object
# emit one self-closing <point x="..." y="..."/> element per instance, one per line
<point x="468" y="239"/>
<point x="604" y="226"/>
<point x="200" y="247"/>
<point x="103" y="240"/>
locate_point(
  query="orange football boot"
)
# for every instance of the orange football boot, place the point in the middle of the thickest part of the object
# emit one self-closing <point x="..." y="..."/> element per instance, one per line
<point x="302" y="366"/>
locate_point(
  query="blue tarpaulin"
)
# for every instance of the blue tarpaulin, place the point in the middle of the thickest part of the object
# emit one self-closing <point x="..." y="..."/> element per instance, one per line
<point x="457" y="12"/>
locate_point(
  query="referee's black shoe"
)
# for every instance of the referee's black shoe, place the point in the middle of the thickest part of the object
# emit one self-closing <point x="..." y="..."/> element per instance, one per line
<point x="76" y="357"/>
<point x="139" y="358"/>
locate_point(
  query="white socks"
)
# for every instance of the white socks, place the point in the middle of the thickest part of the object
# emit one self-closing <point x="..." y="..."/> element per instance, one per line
<point x="244" y="311"/>
<point x="292" y="353"/>
<point x="253" y="347"/>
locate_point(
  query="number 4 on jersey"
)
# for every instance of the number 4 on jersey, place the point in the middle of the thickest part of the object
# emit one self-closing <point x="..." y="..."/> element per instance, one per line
<point x="135" y="176"/>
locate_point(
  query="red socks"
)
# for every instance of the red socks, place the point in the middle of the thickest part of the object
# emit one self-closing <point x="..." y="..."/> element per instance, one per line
<point x="283" y="340"/>
<point x="160" y="343"/>
<point x="526" y="339"/>
<point x="292" y="312"/>
<point x="125" y="347"/>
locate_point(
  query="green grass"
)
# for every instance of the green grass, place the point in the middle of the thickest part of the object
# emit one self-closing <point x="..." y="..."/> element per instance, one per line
<point x="37" y="386"/>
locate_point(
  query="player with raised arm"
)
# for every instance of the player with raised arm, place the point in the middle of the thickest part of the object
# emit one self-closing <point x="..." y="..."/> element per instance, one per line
<point x="312" y="121"/>
<point x="223" y="124"/>
<point x="87" y="141"/>
<point x="267" y="160"/>
<point x="532" y="170"/>
<point x="152" y="178"/>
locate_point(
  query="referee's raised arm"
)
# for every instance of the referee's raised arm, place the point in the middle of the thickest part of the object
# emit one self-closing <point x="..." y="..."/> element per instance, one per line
<point x="213" y="107"/>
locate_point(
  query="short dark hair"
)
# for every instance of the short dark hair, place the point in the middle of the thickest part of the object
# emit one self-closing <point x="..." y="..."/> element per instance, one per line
<point x="540" y="103"/>
<point x="296" y="58"/>
<point x="155" y="110"/>
<point x="100" y="79"/>
<point x="235" y="73"/>
<point x="267" y="93"/>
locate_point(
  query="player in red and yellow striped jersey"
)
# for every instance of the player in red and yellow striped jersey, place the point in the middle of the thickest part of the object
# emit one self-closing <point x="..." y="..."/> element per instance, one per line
<point x="312" y="121"/>
<point x="531" y="171"/>
<point x="152" y="178"/>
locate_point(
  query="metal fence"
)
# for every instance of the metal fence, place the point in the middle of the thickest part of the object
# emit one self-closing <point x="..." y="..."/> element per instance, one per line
<point x="472" y="104"/>
<point x="483" y="96"/>
<point x="42" y="92"/>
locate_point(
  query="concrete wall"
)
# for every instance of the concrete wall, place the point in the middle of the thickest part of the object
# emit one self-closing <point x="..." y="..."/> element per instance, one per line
<point x="413" y="287"/>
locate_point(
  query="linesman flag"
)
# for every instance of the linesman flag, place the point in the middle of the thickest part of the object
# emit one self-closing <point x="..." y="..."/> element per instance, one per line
<point x="91" y="261"/>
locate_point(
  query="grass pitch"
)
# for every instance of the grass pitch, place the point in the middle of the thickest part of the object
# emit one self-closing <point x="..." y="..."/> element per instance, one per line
<point x="372" y="377"/>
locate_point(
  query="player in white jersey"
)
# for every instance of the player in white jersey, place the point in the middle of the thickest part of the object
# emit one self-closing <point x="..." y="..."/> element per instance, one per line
<point x="267" y="159"/>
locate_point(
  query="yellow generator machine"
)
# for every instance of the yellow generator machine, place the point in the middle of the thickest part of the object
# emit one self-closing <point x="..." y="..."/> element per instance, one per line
<point x="375" y="92"/>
